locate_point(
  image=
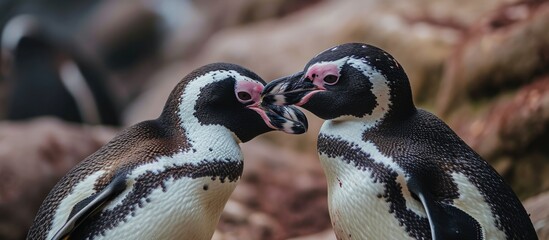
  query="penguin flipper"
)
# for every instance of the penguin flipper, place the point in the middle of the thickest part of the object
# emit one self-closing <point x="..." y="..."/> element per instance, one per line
<point x="445" y="220"/>
<point x="87" y="207"/>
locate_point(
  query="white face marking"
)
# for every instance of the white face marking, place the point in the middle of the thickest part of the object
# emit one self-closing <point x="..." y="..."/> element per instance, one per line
<point x="473" y="203"/>
<point x="196" y="132"/>
<point x="338" y="63"/>
<point x="380" y="86"/>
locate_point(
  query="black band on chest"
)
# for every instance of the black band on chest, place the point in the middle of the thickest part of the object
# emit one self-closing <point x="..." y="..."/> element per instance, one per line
<point x="225" y="170"/>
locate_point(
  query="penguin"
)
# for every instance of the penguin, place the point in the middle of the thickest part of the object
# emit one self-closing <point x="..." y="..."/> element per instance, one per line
<point x="47" y="79"/>
<point x="395" y="171"/>
<point x="167" y="178"/>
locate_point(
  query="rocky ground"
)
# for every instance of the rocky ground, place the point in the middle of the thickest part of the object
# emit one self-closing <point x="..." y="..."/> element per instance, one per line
<point x="482" y="66"/>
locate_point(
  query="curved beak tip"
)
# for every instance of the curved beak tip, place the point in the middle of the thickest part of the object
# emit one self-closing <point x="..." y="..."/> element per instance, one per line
<point x="298" y="125"/>
<point x="299" y="129"/>
<point x="288" y="119"/>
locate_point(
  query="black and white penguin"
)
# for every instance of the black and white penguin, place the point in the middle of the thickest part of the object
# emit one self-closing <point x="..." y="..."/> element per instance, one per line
<point x="49" y="78"/>
<point x="167" y="178"/>
<point x="394" y="171"/>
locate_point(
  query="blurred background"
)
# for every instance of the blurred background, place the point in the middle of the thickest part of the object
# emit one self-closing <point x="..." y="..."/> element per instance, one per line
<point x="74" y="73"/>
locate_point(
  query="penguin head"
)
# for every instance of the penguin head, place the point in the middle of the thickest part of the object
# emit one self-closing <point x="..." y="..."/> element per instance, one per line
<point x="230" y="96"/>
<point x="348" y="81"/>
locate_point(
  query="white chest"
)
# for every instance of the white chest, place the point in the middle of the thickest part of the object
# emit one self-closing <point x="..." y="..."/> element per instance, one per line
<point x="357" y="207"/>
<point x="187" y="209"/>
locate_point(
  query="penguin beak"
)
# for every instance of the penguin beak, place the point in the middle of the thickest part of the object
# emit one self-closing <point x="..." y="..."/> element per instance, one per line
<point x="290" y="90"/>
<point x="288" y="119"/>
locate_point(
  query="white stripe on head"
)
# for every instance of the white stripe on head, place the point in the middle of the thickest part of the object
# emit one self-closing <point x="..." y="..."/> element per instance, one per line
<point x="195" y="131"/>
<point x="339" y="63"/>
<point x="380" y="89"/>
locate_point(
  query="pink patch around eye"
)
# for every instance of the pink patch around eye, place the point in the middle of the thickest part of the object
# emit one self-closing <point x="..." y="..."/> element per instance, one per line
<point x="318" y="71"/>
<point x="253" y="88"/>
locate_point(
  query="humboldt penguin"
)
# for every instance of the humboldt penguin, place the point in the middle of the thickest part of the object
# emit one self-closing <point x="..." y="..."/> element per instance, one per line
<point x="395" y="171"/>
<point x="167" y="178"/>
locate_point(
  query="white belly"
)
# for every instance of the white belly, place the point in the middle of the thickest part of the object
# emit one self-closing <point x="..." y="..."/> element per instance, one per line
<point x="184" y="211"/>
<point x="356" y="210"/>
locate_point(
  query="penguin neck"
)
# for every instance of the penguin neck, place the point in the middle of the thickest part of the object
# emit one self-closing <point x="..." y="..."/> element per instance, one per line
<point x="350" y="130"/>
<point x="352" y="127"/>
<point x="208" y="138"/>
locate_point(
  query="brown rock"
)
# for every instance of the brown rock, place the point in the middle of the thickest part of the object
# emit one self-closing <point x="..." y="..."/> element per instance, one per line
<point x="510" y="123"/>
<point x="235" y="213"/>
<point x="495" y="93"/>
<point x="324" y="235"/>
<point x="290" y="42"/>
<point x="240" y="12"/>
<point x="526" y="119"/>
<point x="511" y="133"/>
<point x="266" y="227"/>
<point x="509" y="47"/>
<point x="34" y="155"/>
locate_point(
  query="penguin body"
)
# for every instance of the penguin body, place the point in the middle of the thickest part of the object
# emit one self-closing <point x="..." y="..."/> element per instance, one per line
<point x="367" y="166"/>
<point x="167" y="178"/>
<point x="394" y="171"/>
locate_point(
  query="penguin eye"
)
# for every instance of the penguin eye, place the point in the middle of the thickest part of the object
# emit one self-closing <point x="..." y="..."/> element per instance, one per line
<point x="330" y="79"/>
<point x="244" y="96"/>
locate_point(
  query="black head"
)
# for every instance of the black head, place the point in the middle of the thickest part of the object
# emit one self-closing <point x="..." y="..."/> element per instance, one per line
<point x="350" y="80"/>
<point x="229" y="95"/>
